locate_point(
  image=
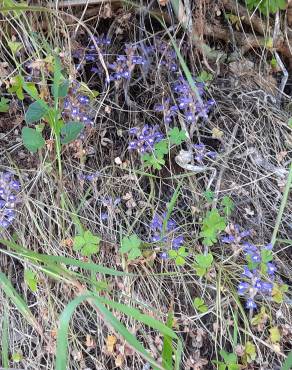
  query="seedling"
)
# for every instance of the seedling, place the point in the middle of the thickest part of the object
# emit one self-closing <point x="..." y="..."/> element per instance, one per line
<point x="131" y="246"/>
<point x="178" y="256"/>
<point x="87" y="243"/>
<point x="203" y="264"/>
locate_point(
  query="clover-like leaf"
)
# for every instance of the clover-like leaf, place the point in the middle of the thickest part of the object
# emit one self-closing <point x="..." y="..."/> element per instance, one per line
<point x="131" y="246"/>
<point x="176" y="136"/>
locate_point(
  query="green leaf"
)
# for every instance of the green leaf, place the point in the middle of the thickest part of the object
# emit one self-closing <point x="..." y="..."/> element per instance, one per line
<point x="200" y="305"/>
<point x="182" y="252"/>
<point x="176" y="136"/>
<point x="87" y="243"/>
<point x="4" y="105"/>
<point x="275" y="335"/>
<point x="204" y="261"/>
<point x="89" y="249"/>
<point x="134" y="253"/>
<point x="266" y="255"/>
<point x="151" y="161"/>
<point x="228" y="205"/>
<point x="78" y="242"/>
<point x="63" y="89"/>
<point x="17" y="87"/>
<point x="14" y="46"/>
<point x="213" y="223"/>
<point x="290" y="122"/>
<point x="250" y="352"/>
<point x="172" y="253"/>
<point x="204" y="76"/>
<point x="31" y="280"/>
<point x="180" y="261"/>
<point x="110" y="320"/>
<point x="70" y="131"/>
<point x="32" y="139"/>
<point x="35" y="112"/>
<point x="160" y="149"/>
<point x="131" y="246"/>
<point x="201" y="271"/>
<point x="16" y="357"/>
<point x="209" y="195"/>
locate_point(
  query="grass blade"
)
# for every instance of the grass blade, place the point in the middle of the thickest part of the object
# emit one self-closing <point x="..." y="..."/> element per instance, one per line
<point x="18" y="301"/>
<point x="288" y="362"/>
<point x="167" y="349"/>
<point x="5" y="340"/>
<point x="62" y="335"/>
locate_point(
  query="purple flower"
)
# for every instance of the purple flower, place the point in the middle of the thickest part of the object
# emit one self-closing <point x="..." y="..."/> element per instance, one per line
<point x="9" y="189"/>
<point x="242" y="287"/>
<point x="201" y="152"/>
<point x="146" y="138"/>
<point x="250" y="304"/>
<point x="271" y="268"/>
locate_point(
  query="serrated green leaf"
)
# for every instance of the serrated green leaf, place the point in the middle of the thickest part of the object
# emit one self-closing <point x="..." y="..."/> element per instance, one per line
<point x="32" y="139"/>
<point x="266" y="255"/>
<point x="134" y="253"/>
<point x="89" y="249"/>
<point x="172" y="253"/>
<point x="131" y="246"/>
<point x="70" y="131"/>
<point x="213" y="223"/>
<point x="17" y="87"/>
<point x="15" y="46"/>
<point x="90" y="238"/>
<point x="160" y="149"/>
<point x="78" y="242"/>
<point x="200" y="305"/>
<point x="35" y="112"/>
<point x="176" y="136"/>
<point x="204" y="261"/>
<point x="201" y="271"/>
<point x="4" y="105"/>
<point x="180" y="261"/>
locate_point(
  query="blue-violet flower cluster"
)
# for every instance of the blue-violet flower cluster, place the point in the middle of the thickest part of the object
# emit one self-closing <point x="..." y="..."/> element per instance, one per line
<point x="9" y="189"/>
<point x="145" y="138"/>
<point x="259" y="273"/>
<point x="172" y="238"/>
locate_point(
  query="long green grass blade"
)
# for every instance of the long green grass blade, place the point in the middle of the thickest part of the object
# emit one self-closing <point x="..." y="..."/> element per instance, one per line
<point x="167" y="349"/>
<point x="5" y="340"/>
<point x="17" y="300"/>
<point x="62" y="335"/>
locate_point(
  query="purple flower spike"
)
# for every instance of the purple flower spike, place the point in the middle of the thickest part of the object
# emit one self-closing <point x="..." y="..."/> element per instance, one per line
<point x="250" y="304"/>
<point x="9" y="189"/>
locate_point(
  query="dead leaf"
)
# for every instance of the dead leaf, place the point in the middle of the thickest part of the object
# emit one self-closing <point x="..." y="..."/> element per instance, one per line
<point x="163" y="2"/>
<point x="106" y="11"/>
<point x="111" y="340"/>
<point x="216" y="133"/>
<point x="90" y="342"/>
<point x="119" y="360"/>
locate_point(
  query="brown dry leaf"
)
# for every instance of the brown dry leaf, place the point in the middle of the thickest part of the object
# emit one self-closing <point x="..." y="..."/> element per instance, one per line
<point x="106" y="11"/>
<point x="4" y="71"/>
<point x="67" y="243"/>
<point x="119" y="360"/>
<point x="44" y="93"/>
<point x="280" y="156"/>
<point x="50" y="145"/>
<point x="163" y="2"/>
<point x="90" y="342"/>
<point x="216" y="133"/>
<point x="111" y="340"/>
